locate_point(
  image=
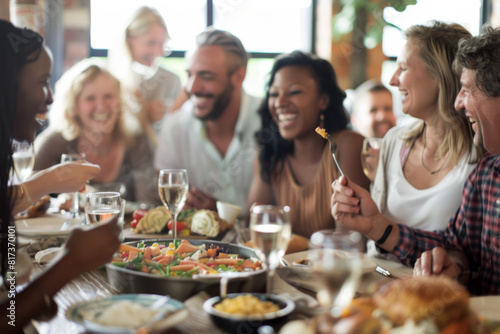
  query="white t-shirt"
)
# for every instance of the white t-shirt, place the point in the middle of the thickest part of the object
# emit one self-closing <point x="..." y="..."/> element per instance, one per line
<point x="427" y="209"/>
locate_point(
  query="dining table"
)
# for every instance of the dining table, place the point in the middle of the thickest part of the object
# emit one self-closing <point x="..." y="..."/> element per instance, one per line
<point x="94" y="285"/>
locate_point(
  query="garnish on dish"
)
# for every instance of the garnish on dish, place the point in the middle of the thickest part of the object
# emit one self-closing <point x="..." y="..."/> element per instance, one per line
<point x="181" y="259"/>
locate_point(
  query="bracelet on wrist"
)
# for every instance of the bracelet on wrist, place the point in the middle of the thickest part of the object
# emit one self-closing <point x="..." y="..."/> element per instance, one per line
<point x="25" y="193"/>
<point x="384" y="236"/>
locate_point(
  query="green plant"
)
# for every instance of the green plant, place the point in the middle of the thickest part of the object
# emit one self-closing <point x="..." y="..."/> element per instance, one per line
<point x="366" y="16"/>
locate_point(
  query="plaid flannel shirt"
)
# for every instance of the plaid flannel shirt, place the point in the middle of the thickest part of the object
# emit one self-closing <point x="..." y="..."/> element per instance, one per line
<point x="475" y="228"/>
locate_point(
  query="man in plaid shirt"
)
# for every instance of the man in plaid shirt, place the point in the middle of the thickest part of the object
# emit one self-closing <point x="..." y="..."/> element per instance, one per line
<point x="471" y="242"/>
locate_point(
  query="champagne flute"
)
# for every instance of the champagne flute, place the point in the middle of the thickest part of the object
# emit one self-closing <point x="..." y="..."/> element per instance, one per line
<point x="24" y="159"/>
<point x="173" y="188"/>
<point x="270" y="230"/>
<point x="369" y="156"/>
<point x="336" y="260"/>
<point x="102" y="207"/>
<point x="75" y="207"/>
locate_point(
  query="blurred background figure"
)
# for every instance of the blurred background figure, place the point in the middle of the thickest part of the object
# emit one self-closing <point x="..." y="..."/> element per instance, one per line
<point x="295" y="166"/>
<point x="149" y="88"/>
<point x="372" y="114"/>
<point x="88" y="116"/>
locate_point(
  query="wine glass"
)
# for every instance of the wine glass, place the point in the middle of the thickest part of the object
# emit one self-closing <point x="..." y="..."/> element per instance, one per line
<point x="24" y="159"/>
<point x="75" y="207"/>
<point x="102" y="207"/>
<point x="270" y="230"/>
<point x="173" y="188"/>
<point x="369" y="156"/>
<point x="336" y="260"/>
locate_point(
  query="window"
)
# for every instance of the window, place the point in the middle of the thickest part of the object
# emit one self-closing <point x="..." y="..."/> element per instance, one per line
<point x="286" y="24"/>
<point x="464" y="12"/>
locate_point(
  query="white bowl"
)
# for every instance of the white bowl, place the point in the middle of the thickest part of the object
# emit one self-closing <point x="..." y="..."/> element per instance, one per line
<point x="228" y="211"/>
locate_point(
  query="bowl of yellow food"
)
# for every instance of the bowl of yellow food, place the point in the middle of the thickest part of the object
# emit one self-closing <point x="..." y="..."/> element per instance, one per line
<point x="246" y="312"/>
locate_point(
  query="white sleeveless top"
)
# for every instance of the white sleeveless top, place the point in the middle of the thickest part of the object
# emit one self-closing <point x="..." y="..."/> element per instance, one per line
<point x="427" y="209"/>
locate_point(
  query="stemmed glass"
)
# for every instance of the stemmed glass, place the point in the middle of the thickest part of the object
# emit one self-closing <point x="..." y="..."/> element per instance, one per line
<point x="369" y="156"/>
<point x="270" y="230"/>
<point x="102" y="206"/>
<point x="173" y="188"/>
<point x="75" y="207"/>
<point x="336" y="260"/>
<point x="24" y="159"/>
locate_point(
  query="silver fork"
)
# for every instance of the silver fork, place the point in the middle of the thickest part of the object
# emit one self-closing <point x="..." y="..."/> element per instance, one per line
<point x="332" y="150"/>
<point x="385" y="272"/>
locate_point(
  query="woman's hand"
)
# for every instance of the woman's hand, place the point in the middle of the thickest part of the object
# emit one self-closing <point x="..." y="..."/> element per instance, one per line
<point x="352" y="206"/>
<point x="65" y="177"/>
<point x="90" y="248"/>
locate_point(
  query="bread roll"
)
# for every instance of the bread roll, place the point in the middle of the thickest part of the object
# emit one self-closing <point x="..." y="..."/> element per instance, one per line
<point x="39" y="208"/>
<point x="207" y="222"/>
<point x="154" y="221"/>
<point x="424" y="297"/>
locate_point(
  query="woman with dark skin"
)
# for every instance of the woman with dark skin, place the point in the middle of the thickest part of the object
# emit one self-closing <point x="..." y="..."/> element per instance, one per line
<point x="25" y="66"/>
<point x="295" y="164"/>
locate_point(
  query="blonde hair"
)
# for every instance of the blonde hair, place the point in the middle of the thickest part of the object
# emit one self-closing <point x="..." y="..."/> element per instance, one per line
<point x="62" y="115"/>
<point x="437" y="45"/>
<point x="120" y="58"/>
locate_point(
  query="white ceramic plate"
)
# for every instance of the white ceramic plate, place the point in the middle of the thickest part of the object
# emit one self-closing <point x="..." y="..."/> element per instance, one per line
<point x="176" y="312"/>
<point x="487" y="306"/>
<point x="367" y="264"/>
<point x="301" y="275"/>
<point x="46" y="226"/>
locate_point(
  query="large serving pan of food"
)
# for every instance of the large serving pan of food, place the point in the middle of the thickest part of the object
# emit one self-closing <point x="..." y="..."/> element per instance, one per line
<point x="184" y="268"/>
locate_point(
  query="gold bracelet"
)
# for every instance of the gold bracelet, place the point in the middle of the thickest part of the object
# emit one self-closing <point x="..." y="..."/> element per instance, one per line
<point x="25" y="193"/>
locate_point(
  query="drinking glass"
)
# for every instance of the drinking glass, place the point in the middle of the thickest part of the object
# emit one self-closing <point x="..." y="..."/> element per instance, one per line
<point x="336" y="260"/>
<point x="102" y="207"/>
<point x="75" y="207"/>
<point x="173" y="188"/>
<point x="24" y="159"/>
<point x="270" y="230"/>
<point x="369" y="156"/>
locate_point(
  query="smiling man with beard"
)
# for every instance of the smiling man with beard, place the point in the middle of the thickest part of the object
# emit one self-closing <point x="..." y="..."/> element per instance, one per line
<point x="212" y="136"/>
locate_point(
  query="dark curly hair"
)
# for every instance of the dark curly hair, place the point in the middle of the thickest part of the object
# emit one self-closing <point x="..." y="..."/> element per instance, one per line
<point x="481" y="54"/>
<point x="273" y="148"/>
<point x="18" y="47"/>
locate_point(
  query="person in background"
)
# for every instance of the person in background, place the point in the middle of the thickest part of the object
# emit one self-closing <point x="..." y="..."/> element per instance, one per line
<point x="423" y="165"/>
<point x="89" y="116"/>
<point x="372" y="113"/>
<point x="25" y="66"/>
<point x="469" y="246"/>
<point x="295" y="166"/>
<point x="214" y="139"/>
<point x="149" y="88"/>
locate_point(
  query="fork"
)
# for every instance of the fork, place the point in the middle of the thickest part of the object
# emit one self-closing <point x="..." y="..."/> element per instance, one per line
<point x="332" y="150"/>
<point x="385" y="272"/>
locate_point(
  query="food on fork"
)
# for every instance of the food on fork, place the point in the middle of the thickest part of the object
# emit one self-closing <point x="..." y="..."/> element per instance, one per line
<point x="321" y="132"/>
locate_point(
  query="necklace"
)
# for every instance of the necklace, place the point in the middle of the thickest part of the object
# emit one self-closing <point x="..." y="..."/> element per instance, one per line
<point x="422" y="159"/>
